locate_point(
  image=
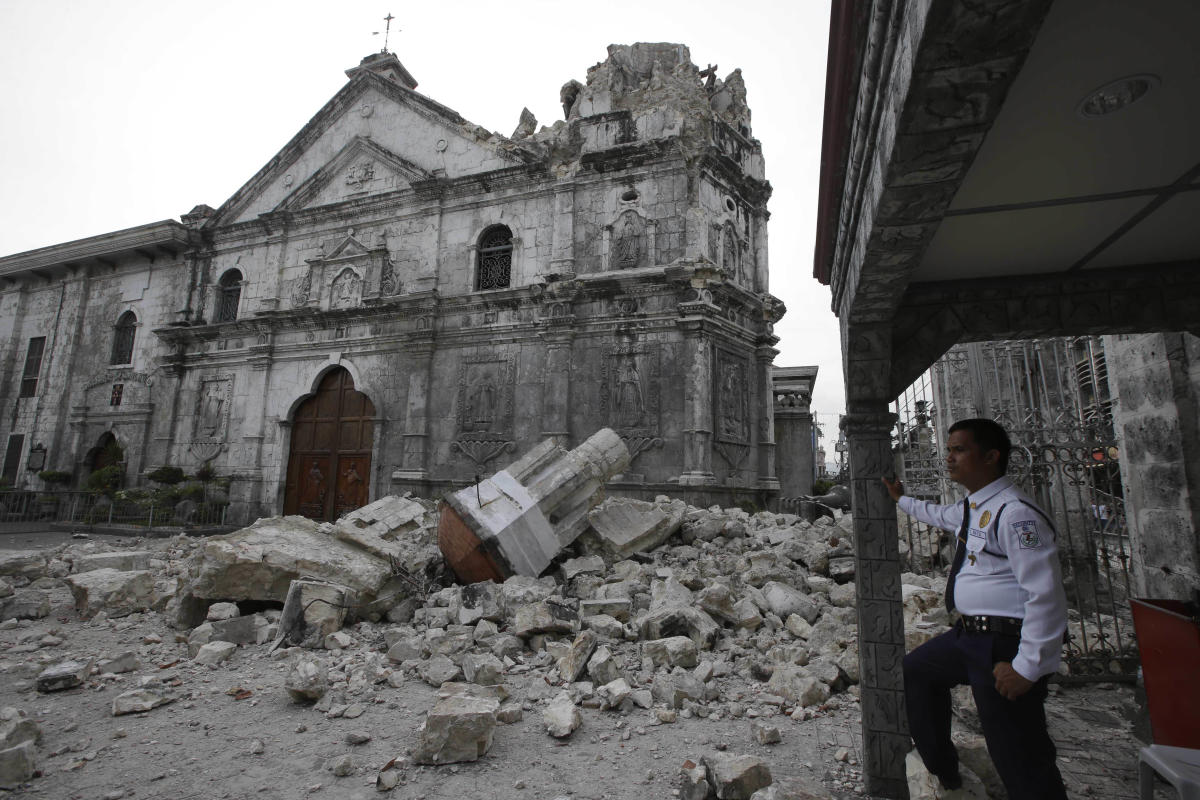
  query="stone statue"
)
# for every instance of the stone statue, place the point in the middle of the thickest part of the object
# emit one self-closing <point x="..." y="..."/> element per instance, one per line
<point x="210" y="409"/>
<point x="482" y="409"/>
<point x="628" y="248"/>
<point x="630" y="406"/>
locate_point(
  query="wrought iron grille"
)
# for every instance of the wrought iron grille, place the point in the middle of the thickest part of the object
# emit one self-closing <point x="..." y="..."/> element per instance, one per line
<point x="228" y="299"/>
<point x="1052" y="396"/>
<point x="495" y="259"/>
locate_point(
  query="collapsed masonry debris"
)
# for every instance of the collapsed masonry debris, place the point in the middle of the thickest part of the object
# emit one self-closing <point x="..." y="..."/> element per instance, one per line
<point x="733" y="616"/>
<point x="517" y="521"/>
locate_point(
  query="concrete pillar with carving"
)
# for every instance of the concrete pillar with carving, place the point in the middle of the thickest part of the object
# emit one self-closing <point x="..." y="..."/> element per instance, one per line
<point x="556" y="405"/>
<point x="698" y="410"/>
<point x="792" y="390"/>
<point x="562" y="259"/>
<point x="416" y="409"/>
<point x="764" y="355"/>
<point x="880" y="612"/>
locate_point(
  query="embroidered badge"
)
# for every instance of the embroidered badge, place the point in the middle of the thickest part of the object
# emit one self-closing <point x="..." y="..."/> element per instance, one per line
<point x="986" y="518"/>
<point x="1027" y="534"/>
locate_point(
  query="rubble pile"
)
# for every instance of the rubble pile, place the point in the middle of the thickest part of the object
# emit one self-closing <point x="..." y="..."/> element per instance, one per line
<point x="658" y="611"/>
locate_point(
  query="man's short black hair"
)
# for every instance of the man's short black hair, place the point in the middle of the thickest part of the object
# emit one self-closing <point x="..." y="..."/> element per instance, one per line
<point x="989" y="435"/>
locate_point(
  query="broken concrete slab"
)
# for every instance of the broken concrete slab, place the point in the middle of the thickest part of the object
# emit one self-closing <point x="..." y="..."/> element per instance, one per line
<point x="113" y="591"/>
<point x="64" y="675"/>
<point x="517" y="521"/>
<point x="18" y="764"/>
<point x="307" y="680"/>
<point x="458" y="728"/>
<point x="123" y="560"/>
<point x="214" y="653"/>
<point x="137" y="700"/>
<point x="261" y="561"/>
<point x="27" y="564"/>
<point x="680" y="621"/>
<point x="16" y="728"/>
<point x="571" y="665"/>
<point x="736" y="777"/>
<point x="561" y="717"/>
<point x="623" y="526"/>
<point x="311" y="611"/>
<point x="250" y="629"/>
<point x="546" y="617"/>
<point x="25" y="604"/>
<point x="673" y="651"/>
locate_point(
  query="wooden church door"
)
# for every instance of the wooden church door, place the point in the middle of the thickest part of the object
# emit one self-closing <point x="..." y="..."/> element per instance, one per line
<point x="329" y="466"/>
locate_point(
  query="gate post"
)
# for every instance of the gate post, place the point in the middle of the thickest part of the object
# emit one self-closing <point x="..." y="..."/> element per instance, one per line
<point x="878" y="601"/>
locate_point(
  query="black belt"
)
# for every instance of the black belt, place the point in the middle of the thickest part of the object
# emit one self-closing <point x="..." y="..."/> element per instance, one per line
<point x="1007" y="626"/>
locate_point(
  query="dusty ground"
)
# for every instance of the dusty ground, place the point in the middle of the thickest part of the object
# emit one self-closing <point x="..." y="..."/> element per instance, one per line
<point x="208" y="744"/>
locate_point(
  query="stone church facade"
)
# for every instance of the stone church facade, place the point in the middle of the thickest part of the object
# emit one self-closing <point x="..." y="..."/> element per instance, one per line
<point x="401" y="300"/>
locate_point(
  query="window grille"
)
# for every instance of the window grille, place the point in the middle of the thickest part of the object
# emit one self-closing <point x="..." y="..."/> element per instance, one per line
<point x="122" y="350"/>
<point x="33" y="366"/>
<point x="494" y="269"/>
<point x="229" y="294"/>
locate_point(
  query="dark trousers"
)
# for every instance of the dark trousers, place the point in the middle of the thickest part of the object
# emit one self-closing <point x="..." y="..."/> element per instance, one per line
<point x="1015" y="730"/>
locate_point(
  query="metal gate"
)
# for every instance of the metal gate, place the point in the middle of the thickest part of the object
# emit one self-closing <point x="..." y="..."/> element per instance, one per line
<point x="1052" y="396"/>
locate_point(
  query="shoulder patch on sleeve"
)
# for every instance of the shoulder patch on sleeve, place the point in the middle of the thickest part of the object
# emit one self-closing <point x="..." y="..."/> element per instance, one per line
<point x="1027" y="534"/>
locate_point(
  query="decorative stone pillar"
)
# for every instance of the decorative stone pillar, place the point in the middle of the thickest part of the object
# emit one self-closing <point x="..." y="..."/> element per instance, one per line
<point x="880" y="612"/>
<point x="764" y="355"/>
<point x="557" y="401"/>
<point x="562" y="259"/>
<point x="793" y="423"/>
<point x="698" y="410"/>
<point x="416" y="414"/>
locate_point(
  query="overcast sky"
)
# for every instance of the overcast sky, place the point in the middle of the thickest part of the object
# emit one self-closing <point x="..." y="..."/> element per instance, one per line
<point x="124" y="112"/>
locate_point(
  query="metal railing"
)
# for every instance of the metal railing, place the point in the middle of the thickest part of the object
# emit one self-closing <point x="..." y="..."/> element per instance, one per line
<point x="86" y="508"/>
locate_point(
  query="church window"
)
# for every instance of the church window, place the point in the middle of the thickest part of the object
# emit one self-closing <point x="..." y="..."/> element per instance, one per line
<point x="229" y="294"/>
<point x="122" y="349"/>
<point x="33" y="366"/>
<point x="494" y="258"/>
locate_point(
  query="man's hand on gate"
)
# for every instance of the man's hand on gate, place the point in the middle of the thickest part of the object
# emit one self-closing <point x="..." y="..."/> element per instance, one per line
<point x="1010" y="683"/>
<point x="894" y="488"/>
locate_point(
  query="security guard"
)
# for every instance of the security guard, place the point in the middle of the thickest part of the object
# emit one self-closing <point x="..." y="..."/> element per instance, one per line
<point x="1007" y="584"/>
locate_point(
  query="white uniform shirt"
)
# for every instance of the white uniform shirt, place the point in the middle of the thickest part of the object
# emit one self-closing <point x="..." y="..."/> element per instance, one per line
<point x="1011" y="568"/>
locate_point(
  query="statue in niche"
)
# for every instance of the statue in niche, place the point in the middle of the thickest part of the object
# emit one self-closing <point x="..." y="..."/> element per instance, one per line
<point x="630" y="405"/>
<point x="733" y="396"/>
<point x="729" y="260"/>
<point x="481" y="408"/>
<point x="345" y="289"/>
<point x="211" y="405"/>
<point x="627" y="250"/>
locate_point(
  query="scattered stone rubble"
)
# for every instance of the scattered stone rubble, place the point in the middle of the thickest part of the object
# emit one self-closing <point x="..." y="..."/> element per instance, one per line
<point x="659" y="610"/>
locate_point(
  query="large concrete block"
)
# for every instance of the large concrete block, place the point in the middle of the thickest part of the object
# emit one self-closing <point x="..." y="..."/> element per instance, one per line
<point x="517" y="521"/>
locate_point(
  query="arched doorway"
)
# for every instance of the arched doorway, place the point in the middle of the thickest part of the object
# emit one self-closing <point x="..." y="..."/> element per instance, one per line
<point x="329" y="466"/>
<point x="108" y="451"/>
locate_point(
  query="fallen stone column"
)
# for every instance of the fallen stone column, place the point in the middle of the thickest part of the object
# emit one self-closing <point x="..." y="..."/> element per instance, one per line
<point x="518" y="520"/>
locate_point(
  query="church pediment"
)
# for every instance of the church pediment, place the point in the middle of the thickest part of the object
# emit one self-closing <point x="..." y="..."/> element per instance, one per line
<point x="362" y="168"/>
<point x="382" y="136"/>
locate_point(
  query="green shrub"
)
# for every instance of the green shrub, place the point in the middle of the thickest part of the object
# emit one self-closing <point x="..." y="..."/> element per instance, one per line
<point x="167" y="475"/>
<point x="53" y="476"/>
<point x="105" y="480"/>
<point x="822" y="486"/>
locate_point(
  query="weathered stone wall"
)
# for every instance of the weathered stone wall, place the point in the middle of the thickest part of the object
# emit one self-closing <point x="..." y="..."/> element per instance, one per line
<point x="1157" y="378"/>
<point x="637" y="297"/>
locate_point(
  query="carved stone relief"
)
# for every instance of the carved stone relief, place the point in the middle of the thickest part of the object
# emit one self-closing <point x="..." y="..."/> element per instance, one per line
<point x="630" y="395"/>
<point x="732" y="408"/>
<point x="346" y="290"/>
<point x="210" y="426"/>
<point x="485" y="409"/>
<point x="630" y="241"/>
<point x="302" y="287"/>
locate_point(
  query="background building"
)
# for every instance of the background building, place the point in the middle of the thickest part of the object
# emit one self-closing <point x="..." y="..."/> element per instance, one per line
<point x="401" y="301"/>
